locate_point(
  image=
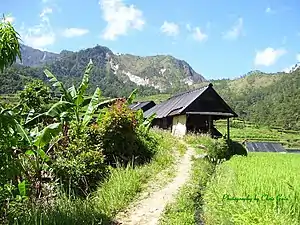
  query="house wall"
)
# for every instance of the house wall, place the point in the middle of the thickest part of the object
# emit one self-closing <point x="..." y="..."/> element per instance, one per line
<point x="179" y="125"/>
<point x="163" y="123"/>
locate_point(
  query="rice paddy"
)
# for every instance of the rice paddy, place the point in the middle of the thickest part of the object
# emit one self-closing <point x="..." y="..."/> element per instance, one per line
<point x="262" y="188"/>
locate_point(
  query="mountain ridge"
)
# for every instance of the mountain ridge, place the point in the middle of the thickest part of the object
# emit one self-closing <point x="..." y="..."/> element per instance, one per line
<point x="159" y="71"/>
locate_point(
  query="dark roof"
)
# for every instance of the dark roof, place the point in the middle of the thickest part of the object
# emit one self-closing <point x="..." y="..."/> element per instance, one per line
<point x="140" y="105"/>
<point x="176" y="104"/>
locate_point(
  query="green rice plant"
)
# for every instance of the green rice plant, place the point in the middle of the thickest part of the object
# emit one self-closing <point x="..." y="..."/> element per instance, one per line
<point x="262" y="188"/>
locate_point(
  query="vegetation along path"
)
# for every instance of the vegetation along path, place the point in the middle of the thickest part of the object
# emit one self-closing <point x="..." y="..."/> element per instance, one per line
<point x="147" y="211"/>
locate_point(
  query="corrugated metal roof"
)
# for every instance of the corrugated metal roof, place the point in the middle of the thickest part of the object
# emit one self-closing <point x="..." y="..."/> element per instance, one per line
<point x="264" y="147"/>
<point x="176" y="104"/>
<point x="138" y="105"/>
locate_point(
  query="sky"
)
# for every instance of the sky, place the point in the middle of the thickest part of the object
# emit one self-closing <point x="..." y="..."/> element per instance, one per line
<point x="218" y="38"/>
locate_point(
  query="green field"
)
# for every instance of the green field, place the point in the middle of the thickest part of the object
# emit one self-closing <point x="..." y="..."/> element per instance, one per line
<point x="262" y="188"/>
<point x="241" y="131"/>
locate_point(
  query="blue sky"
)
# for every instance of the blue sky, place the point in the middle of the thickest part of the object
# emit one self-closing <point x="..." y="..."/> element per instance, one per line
<point x="219" y="39"/>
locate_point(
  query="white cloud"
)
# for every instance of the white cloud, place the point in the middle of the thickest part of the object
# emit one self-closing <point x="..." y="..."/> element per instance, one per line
<point x="268" y="56"/>
<point x="288" y="69"/>
<point x="120" y="18"/>
<point x="170" y="28"/>
<point x="40" y="35"/>
<point x="74" y="32"/>
<point x="45" y="11"/>
<point x="235" y="31"/>
<point x="269" y="10"/>
<point x="9" y="19"/>
<point x="199" y="35"/>
<point x="188" y="27"/>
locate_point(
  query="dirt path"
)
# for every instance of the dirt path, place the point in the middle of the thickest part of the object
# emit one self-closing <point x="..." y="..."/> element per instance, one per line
<point x="147" y="211"/>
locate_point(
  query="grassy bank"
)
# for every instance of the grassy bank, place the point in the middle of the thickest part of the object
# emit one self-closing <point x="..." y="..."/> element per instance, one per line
<point x="262" y="188"/>
<point x="113" y="195"/>
<point x="124" y="185"/>
<point x="187" y="205"/>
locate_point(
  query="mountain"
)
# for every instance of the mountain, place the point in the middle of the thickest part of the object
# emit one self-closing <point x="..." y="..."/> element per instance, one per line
<point x="269" y="99"/>
<point x="35" y="57"/>
<point x="162" y="72"/>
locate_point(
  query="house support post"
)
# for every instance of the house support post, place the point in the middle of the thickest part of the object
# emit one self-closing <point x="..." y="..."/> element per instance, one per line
<point x="228" y="129"/>
<point x="210" y="125"/>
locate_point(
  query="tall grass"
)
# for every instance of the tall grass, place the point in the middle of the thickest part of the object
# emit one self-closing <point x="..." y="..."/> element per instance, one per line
<point x="113" y="195"/>
<point x="263" y="188"/>
<point x="124" y="184"/>
<point x="187" y="205"/>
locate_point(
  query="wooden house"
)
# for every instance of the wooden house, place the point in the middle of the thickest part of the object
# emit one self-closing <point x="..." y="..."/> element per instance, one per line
<point x="192" y="111"/>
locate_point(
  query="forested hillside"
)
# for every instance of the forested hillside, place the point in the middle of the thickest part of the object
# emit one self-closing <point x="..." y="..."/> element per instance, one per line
<point x="270" y="99"/>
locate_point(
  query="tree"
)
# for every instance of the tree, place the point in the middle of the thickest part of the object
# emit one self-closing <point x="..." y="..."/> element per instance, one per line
<point x="9" y="44"/>
<point x="36" y="95"/>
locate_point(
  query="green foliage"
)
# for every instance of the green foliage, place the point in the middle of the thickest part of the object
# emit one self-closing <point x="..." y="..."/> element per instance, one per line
<point x="80" y="165"/>
<point x="217" y="149"/>
<point x="122" y="141"/>
<point x="9" y="44"/>
<point x="13" y="79"/>
<point x="36" y="95"/>
<point x="72" y="102"/>
<point x="112" y="196"/>
<point x="269" y="99"/>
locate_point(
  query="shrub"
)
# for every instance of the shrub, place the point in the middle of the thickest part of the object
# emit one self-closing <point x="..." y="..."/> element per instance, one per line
<point x="36" y="95"/>
<point x="122" y="141"/>
<point x="80" y="165"/>
<point x="217" y="149"/>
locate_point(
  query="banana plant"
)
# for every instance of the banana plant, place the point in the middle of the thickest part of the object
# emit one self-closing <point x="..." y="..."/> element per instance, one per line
<point x="35" y="141"/>
<point x="144" y="124"/>
<point x="10" y="125"/>
<point x="131" y="97"/>
<point x="72" y="105"/>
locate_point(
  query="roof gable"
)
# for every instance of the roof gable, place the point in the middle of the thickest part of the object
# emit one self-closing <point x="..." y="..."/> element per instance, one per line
<point x="175" y="104"/>
<point x="179" y="103"/>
